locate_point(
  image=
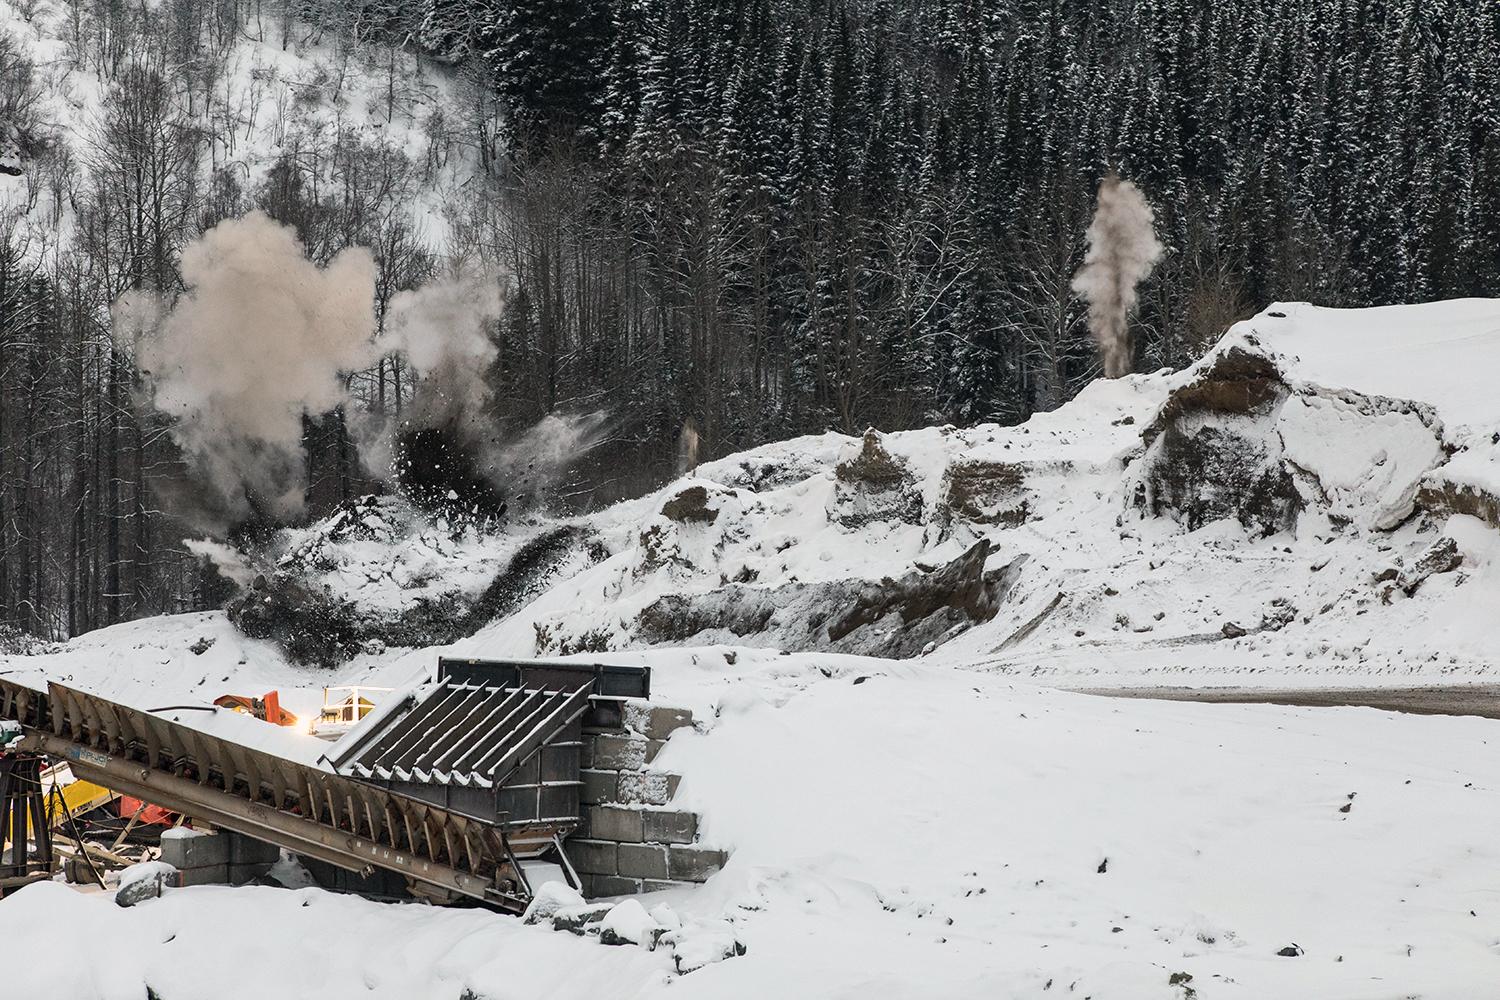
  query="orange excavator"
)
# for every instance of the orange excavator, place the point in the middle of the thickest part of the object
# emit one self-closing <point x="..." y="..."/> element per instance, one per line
<point x="266" y="708"/>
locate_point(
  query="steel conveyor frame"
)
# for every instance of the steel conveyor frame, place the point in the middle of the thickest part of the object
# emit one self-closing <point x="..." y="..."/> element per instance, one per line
<point x="352" y="824"/>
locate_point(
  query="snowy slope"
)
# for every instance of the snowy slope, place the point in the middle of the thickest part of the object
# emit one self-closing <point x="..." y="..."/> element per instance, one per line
<point x="1363" y="438"/>
<point x="282" y="88"/>
<point x="1098" y="588"/>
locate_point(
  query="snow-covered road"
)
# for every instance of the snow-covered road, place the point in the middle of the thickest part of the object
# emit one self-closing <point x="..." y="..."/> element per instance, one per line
<point x="1482" y="700"/>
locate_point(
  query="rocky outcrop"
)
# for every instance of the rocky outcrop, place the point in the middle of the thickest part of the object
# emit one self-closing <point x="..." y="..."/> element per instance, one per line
<point x="895" y="617"/>
<point x="1240" y="441"/>
<point x="1212" y="453"/>
<point x="961" y="587"/>
<point x="987" y="493"/>
<point x="875" y="485"/>
<point x="315" y="627"/>
<point x="691" y="504"/>
<point x="1442" y="496"/>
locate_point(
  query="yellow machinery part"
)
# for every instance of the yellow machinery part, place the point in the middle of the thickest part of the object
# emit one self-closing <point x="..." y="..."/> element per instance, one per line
<point x="80" y="796"/>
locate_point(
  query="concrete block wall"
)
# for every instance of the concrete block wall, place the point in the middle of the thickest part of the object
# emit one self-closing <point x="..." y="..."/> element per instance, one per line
<point x="221" y="858"/>
<point x="632" y="840"/>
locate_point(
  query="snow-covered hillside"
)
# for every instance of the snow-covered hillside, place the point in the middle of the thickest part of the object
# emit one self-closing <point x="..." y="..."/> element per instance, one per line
<point x="275" y="88"/>
<point x="1314" y="502"/>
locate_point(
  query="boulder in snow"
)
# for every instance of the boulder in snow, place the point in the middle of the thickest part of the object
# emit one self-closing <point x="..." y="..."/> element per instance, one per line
<point x="627" y="922"/>
<point x="549" y="899"/>
<point x="144" y="881"/>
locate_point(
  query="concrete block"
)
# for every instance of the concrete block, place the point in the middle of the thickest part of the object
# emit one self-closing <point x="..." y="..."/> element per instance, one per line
<point x="203" y="875"/>
<point x="657" y="885"/>
<point x="247" y="873"/>
<point x="653" y="788"/>
<point x="643" y="861"/>
<point x="653" y="747"/>
<point x="616" y="823"/>
<point x="619" y="753"/>
<point x="656" y="722"/>
<point x="183" y="848"/>
<point x="666" y="826"/>
<point x="596" y="857"/>
<point x="245" y="850"/>
<point x="614" y="885"/>
<point x="694" y="864"/>
<point x="599" y="786"/>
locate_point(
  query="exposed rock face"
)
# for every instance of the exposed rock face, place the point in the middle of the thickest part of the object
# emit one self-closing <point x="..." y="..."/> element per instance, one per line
<point x="1209" y="454"/>
<point x="889" y="617"/>
<point x="961" y="586"/>
<point x="1442" y="556"/>
<point x="990" y="493"/>
<point x="875" y="485"/>
<point x="692" y="504"/>
<point x="1239" y="441"/>
<point x="1443" y="495"/>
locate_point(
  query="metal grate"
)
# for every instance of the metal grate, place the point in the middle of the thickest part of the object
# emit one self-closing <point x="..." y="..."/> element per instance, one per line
<point x="474" y="735"/>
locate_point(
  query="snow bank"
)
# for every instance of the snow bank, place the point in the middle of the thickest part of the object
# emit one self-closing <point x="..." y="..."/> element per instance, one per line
<point x="912" y="831"/>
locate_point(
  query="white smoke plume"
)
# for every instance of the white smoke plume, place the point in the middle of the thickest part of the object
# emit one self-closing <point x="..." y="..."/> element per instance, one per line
<point x="442" y="329"/>
<point x="1122" y="250"/>
<point x="231" y="563"/>
<point x="261" y="336"/>
<point x="687" y="447"/>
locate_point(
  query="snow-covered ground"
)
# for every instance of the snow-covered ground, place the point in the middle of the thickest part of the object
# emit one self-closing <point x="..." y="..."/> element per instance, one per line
<point x="279" y="87"/>
<point x="906" y="830"/>
<point x="941" y="826"/>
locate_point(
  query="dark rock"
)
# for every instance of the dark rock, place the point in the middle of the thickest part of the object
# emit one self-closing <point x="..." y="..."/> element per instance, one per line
<point x="962" y="585"/>
<point x="1211" y="452"/>
<point x="874" y="485"/>
<point x="1232" y="631"/>
<point x="577" y="920"/>
<point x="987" y="492"/>
<point x="1442" y="556"/>
<point x="691" y="505"/>
<point x="1440" y="496"/>
<point x="1278" y="616"/>
<point x="201" y="645"/>
<point x="930" y="608"/>
<point x="151" y="886"/>
<point x="1293" y="950"/>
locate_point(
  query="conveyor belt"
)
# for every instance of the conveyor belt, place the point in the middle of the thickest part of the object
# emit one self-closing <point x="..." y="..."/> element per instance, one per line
<point x="355" y="825"/>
